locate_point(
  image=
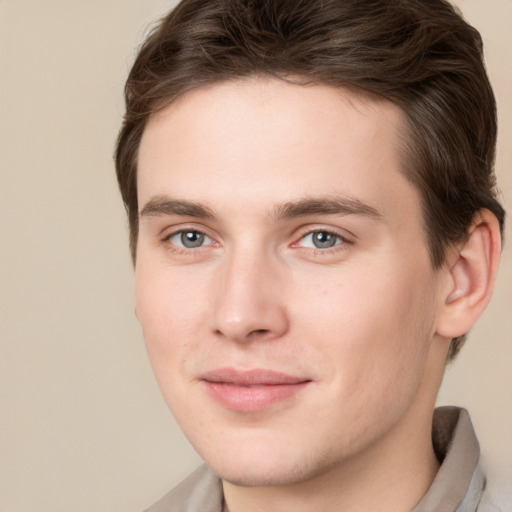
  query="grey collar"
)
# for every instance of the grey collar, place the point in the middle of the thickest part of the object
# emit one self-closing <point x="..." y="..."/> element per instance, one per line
<point x="460" y="482"/>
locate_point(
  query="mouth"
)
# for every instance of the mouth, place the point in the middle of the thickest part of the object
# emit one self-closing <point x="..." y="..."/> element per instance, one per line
<point x="251" y="390"/>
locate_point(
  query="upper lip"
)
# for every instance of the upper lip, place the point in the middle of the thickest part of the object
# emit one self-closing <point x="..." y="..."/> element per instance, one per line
<point x="251" y="377"/>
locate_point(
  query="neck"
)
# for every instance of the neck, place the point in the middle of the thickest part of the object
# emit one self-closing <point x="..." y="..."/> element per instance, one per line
<point x="391" y="476"/>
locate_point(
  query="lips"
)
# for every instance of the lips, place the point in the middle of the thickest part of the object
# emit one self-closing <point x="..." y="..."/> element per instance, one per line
<point x="251" y="390"/>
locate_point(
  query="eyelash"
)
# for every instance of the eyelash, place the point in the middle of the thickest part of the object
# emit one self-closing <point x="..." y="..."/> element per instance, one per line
<point x="341" y="244"/>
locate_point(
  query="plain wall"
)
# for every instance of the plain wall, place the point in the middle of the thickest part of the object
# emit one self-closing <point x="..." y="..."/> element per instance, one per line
<point x="82" y="423"/>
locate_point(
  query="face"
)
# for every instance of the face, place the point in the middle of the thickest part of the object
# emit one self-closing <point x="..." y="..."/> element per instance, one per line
<point x="283" y="280"/>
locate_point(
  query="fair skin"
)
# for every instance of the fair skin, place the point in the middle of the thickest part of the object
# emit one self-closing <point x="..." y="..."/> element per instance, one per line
<point x="291" y="313"/>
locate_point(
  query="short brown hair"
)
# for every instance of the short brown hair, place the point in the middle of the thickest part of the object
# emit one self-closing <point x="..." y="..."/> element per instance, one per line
<point x="419" y="54"/>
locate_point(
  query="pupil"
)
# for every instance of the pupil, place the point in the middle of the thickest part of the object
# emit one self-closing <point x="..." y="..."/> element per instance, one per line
<point x="192" y="239"/>
<point x="323" y="240"/>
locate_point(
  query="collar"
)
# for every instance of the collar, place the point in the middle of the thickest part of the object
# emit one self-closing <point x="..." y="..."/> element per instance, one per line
<point x="460" y="482"/>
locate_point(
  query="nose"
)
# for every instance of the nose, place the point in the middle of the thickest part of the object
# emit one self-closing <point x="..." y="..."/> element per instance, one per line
<point x="249" y="303"/>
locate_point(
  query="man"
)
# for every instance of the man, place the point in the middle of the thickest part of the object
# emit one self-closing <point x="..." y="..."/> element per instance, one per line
<point x="315" y="228"/>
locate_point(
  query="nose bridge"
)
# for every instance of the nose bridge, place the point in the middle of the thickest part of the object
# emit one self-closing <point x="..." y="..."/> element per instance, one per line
<point x="249" y="302"/>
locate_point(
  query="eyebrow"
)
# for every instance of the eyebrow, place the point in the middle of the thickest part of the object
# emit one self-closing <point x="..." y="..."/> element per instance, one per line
<point x="332" y="205"/>
<point x="163" y="205"/>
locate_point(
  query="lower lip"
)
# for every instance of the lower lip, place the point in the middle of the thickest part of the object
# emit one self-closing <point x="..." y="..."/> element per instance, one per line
<point x="252" y="398"/>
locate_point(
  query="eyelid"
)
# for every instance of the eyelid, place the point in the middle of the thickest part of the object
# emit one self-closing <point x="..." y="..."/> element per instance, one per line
<point x="177" y="227"/>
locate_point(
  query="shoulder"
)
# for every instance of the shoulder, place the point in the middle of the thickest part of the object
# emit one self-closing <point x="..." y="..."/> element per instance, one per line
<point x="201" y="491"/>
<point x="497" y="495"/>
<point x="488" y="505"/>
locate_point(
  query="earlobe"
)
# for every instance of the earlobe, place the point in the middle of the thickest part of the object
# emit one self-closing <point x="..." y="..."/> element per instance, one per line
<point x="471" y="270"/>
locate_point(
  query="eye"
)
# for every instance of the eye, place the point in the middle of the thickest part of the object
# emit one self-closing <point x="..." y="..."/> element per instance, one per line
<point x="189" y="239"/>
<point x="321" y="240"/>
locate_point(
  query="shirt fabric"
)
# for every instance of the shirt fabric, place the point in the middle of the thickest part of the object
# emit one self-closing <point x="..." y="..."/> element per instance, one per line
<point x="459" y="485"/>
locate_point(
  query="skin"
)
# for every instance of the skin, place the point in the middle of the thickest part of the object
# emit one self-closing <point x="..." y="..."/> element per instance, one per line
<point x="359" y="320"/>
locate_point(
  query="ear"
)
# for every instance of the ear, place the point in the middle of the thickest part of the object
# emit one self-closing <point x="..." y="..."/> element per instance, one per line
<point x="471" y="271"/>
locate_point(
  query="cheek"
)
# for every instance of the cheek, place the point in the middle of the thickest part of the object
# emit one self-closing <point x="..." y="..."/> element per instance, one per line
<point x="373" y="323"/>
<point x="351" y="301"/>
<point x="169" y="313"/>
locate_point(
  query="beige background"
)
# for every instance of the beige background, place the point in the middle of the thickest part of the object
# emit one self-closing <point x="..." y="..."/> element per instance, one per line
<point x="82" y="424"/>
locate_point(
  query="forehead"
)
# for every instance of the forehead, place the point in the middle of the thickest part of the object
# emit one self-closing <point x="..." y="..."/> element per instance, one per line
<point x="261" y="141"/>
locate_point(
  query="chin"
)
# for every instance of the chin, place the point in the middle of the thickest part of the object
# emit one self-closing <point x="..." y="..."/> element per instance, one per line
<point x="269" y="467"/>
<point x="262" y="475"/>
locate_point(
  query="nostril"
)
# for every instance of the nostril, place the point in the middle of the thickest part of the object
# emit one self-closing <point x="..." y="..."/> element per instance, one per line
<point x="259" y="332"/>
